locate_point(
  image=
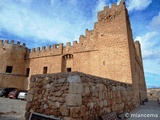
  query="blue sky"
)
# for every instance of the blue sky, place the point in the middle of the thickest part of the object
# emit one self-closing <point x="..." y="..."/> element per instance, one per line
<point x="46" y="22"/>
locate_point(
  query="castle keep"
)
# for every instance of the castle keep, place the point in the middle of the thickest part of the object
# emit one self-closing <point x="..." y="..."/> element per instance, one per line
<point x="107" y="51"/>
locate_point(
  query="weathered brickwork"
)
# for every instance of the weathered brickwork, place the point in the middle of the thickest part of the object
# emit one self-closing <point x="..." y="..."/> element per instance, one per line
<point x="12" y="80"/>
<point x="107" y="51"/>
<point x="78" y="96"/>
<point x="12" y="55"/>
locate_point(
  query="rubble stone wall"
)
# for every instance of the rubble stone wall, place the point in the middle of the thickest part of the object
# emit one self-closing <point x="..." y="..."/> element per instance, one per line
<point x="77" y="96"/>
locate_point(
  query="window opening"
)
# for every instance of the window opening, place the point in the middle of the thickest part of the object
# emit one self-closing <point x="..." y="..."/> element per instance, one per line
<point x="69" y="69"/>
<point x="45" y="70"/>
<point x="27" y="71"/>
<point x="9" y="69"/>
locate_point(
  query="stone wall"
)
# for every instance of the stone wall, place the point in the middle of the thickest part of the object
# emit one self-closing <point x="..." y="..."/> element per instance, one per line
<point x="12" y="54"/>
<point x="77" y="96"/>
<point x="12" y="80"/>
<point x="153" y="93"/>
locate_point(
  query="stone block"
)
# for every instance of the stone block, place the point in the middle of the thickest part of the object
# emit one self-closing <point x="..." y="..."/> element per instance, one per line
<point x="32" y="79"/>
<point x="27" y="114"/>
<point x="31" y="85"/>
<point x="101" y="104"/>
<point x="52" y="98"/>
<point x="45" y="106"/>
<point x="114" y="108"/>
<point x="101" y="87"/>
<point x="65" y="88"/>
<point x="62" y="80"/>
<point x="29" y="98"/>
<point x="75" y="88"/>
<point x="92" y="88"/>
<point x="108" y="110"/>
<point x="58" y="93"/>
<point x="100" y="95"/>
<point x="28" y="107"/>
<point x="113" y="88"/>
<point x="73" y="99"/>
<point x="56" y="105"/>
<point x="75" y="112"/>
<point x="74" y="79"/>
<point x="67" y="118"/>
<point x="86" y="90"/>
<point x="64" y="110"/>
<point x="84" y="111"/>
<point x="90" y="105"/>
<point x="31" y="91"/>
<point x="105" y="103"/>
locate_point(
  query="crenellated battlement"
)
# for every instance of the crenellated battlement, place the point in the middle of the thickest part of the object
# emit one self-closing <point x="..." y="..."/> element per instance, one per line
<point x="68" y="44"/>
<point x="89" y="33"/>
<point x="75" y="42"/>
<point x="108" y="13"/>
<point x="47" y="48"/>
<point x="4" y="42"/>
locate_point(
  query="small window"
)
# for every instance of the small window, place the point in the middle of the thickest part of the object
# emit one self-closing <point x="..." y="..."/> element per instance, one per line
<point x="9" y="69"/>
<point x="103" y="62"/>
<point x="45" y="70"/>
<point x="27" y="71"/>
<point x="68" y="69"/>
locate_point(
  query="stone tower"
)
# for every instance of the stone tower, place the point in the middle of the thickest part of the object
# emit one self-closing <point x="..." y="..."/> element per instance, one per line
<point x="12" y="65"/>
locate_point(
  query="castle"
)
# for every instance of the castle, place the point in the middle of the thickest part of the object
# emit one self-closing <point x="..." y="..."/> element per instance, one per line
<point x="107" y="51"/>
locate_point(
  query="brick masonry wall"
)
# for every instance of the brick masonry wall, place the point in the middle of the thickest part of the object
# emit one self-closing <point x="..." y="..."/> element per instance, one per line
<point x="12" y="55"/>
<point x="12" y="80"/>
<point x="77" y="96"/>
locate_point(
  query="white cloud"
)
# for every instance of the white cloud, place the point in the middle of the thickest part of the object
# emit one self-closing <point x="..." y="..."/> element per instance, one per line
<point x="118" y="2"/>
<point x="149" y="85"/>
<point x="138" y="4"/>
<point x="155" y="23"/>
<point x="54" y="24"/>
<point x="56" y="27"/>
<point x="100" y="5"/>
<point x="147" y="40"/>
<point x="150" y="51"/>
<point x="53" y="2"/>
<point x="150" y="46"/>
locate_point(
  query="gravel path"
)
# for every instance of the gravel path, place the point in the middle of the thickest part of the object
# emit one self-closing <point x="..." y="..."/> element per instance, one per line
<point x="149" y="111"/>
<point x="12" y="109"/>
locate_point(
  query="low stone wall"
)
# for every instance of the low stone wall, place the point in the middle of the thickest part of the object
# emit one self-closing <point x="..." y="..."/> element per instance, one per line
<point x="77" y="96"/>
<point x="12" y="80"/>
<point x="153" y="93"/>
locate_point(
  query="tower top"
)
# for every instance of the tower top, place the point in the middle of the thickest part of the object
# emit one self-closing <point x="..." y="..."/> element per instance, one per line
<point x="109" y="13"/>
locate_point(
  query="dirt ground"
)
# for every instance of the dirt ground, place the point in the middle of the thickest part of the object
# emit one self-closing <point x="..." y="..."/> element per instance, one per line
<point x="12" y="109"/>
